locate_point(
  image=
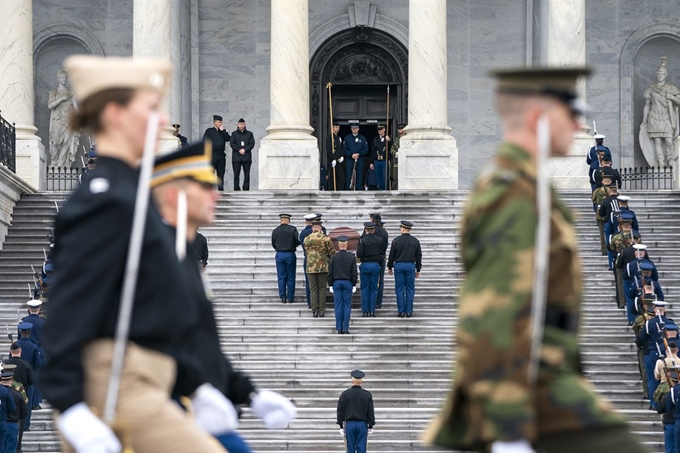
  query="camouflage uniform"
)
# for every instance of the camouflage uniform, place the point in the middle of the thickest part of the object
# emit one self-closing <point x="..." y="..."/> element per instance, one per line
<point x="319" y="249"/>
<point x="598" y="197"/>
<point x="394" y="163"/>
<point x="637" y="326"/>
<point x="491" y="399"/>
<point x="19" y="387"/>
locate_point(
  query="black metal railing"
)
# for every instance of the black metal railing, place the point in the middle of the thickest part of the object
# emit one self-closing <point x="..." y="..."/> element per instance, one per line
<point x="8" y="145"/>
<point x="647" y="178"/>
<point x="63" y="179"/>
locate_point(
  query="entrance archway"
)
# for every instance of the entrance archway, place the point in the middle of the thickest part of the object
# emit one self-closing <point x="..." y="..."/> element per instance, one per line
<point x="361" y="63"/>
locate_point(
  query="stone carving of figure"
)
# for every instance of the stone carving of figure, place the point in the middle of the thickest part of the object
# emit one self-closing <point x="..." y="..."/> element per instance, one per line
<point x="660" y="119"/>
<point x="63" y="141"/>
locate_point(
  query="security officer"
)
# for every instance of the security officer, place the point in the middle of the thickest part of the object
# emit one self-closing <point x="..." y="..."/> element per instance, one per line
<point x="380" y="156"/>
<point x="285" y="240"/>
<point x="219" y="138"/>
<point x="370" y="252"/>
<point x="406" y="259"/>
<point x="242" y="143"/>
<point x="356" y="414"/>
<point x="382" y="233"/>
<point x="117" y="98"/>
<point x="337" y="177"/>
<point x="342" y="279"/>
<point x="14" y="417"/>
<point x="356" y="150"/>
<point x="652" y="334"/>
<point x="599" y="146"/>
<point x="495" y="404"/>
<point x="7" y="408"/>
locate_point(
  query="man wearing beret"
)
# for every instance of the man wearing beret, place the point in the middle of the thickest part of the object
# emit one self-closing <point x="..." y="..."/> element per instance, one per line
<point x="242" y="144"/>
<point x="356" y="414"/>
<point x="219" y="138"/>
<point x="507" y="395"/>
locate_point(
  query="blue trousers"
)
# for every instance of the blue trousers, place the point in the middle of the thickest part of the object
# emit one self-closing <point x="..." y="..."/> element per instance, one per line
<point x="12" y="437"/>
<point x="234" y="443"/>
<point x="308" y="294"/>
<point x="29" y="393"/>
<point x="380" y="173"/>
<point x="652" y="383"/>
<point x="357" y="434"/>
<point x="381" y="286"/>
<point x="285" y="271"/>
<point x="349" y="166"/>
<point x="405" y="286"/>
<point x="342" y="302"/>
<point x="669" y="438"/>
<point x="607" y="232"/>
<point x="370" y="277"/>
<point x="3" y="432"/>
<point x="37" y="393"/>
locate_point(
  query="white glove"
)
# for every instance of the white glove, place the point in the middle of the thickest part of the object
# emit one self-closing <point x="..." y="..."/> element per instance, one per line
<point x="516" y="446"/>
<point x="331" y="288"/>
<point x="213" y="411"/>
<point x="342" y="432"/>
<point x="334" y="163"/>
<point x="342" y="159"/>
<point x="354" y="289"/>
<point x="274" y="409"/>
<point x="370" y="431"/>
<point x="87" y="433"/>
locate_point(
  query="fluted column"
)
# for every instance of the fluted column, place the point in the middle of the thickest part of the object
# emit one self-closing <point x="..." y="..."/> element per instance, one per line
<point x="566" y="47"/>
<point x="288" y="155"/>
<point x="16" y="87"/>
<point x="428" y="155"/>
<point x="151" y="39"/>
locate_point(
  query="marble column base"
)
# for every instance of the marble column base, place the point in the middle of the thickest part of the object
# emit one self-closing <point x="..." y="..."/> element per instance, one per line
<point x="428" y="163"/>
<point x="571" y="171"/>
<point x="291" y="164"/>
<point x="11" y="188"/>
<point x="31" y="163"/>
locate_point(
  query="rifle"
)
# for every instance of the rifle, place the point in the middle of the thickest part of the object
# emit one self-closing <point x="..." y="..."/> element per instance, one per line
<point x="353" y="181"/>
<point x="661" y="327"/>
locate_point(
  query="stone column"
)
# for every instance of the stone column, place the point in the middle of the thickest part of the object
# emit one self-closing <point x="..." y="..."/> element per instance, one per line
<point x="288" y="155"/>
<point x="428" y="155"/>
<point x="16" y="88"/>
<point x="565" y="45"/>
<point x="151" y="39"/>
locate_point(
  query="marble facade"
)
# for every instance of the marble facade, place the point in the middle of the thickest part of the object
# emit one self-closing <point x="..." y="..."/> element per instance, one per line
<point x="226" y="68"/>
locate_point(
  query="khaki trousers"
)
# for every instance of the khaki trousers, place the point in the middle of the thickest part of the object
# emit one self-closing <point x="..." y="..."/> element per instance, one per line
<point x="147" y="420"/>
<point x="317" y="291"/>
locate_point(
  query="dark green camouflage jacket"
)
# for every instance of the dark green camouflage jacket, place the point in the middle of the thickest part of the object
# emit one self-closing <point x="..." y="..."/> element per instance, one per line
<point x="319" y="249"/>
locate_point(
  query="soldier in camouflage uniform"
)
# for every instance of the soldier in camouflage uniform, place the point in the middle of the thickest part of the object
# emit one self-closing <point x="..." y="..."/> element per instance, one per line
<point x="394" y="162"/>
<point x="617" y="243"/>
<point x="319" y="249"/>
<point x="599" y="195"/>
<point x="493" y="406"/>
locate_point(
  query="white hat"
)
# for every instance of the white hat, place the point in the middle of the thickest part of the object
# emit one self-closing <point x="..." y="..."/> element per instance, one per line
<point x="310" y="217"/>
<point x="90" y="75"/>
<point x="34" y="303"/>
<point x="660" y="303"/>
<point x="625" y="198"/>
<point x="599" y="136"/>
<point x="640" y="247"/>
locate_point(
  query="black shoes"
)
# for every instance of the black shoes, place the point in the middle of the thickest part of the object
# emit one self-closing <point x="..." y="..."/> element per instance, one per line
<point x="365" y="314"/>
<point x="346" y="332"/>
<point x="290" y="301"/>
<point x="284" y="300"/>
<point x="340" y="332"/>
<point x="372" y="314"/>
<point x="408" y="315"/>
<point x="322" y="315"/>
<point x="316" y="315"/>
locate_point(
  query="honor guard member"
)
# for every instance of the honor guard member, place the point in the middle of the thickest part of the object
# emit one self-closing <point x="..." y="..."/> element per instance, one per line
<point x="624" y="208"/>
<point x="598" y="197"/>
<point x="31" y="349"/>
<point x="594" y="170"/>
<point x="182" y="139"/>
<point x="609" y="205"/>
<point x="24" y="375"/>
<point x="495" y="405"/>
<point x="285" y="240"/>
<point x="662" y="397"/>
<point x="606" y="168"/>
<point x="342" y="279"/>
<point x="337" y="176"/>
<point x="219" y="138"/>
<point x="617" y="244"/>
<point x="380" y="156"/>
<point x="356" y="414"/>
<point x="645" y="306"/>
<point x="356" y="150"/>
<point x="199" y="248"/>
<point x="652" y="334"/>
<point x="7" y="408"/>
<point x="187" y="173"/>
<point x="406" y="260"/>
<point x="637" y="274"/>
<point x="394" y="177"/>
<point x="242" y="143"/>
<point x="117" y="98"/>
<point x="382" y="233"/>
<point x="370" y="252"/>
<point x="599" y="147"/>
<point x="670" y="358"/>
<point x="306" y="231"/>
<point x="14" y="417"/>
<point x="319" y="249"/>
<point x="37" y="323"/>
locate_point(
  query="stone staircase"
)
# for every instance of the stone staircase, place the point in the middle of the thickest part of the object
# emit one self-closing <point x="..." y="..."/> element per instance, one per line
<point x="407" y="361"/>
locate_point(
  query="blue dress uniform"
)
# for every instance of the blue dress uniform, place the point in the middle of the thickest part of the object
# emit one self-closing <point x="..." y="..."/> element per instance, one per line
<point x="672" y="403"/>
<point x="379" y="157"/>
<point x="651" y="335"/>
<point x="623" y="207"/>
<point x="356" y="415"/>
<point x="355" y="144"/>
<point x="370" y="253"/>
<point x="406" y="259"/>
<point x="609" y="205"/>
<point x="285" y="239"/>
<point x="382" y="232"/>
<point x="13" y="417"/>
<point x="632" y="283"/>
<point x="342" y="277"/>
<point x="36" y="335"/>
<point x="31" y="354"/>
<point x="303" y="234"/>
<point x="7" y="406"/>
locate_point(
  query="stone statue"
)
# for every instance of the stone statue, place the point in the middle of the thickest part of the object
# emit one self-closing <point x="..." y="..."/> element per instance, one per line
<point x="660" y="120"/>
<point x="63" y="142"/>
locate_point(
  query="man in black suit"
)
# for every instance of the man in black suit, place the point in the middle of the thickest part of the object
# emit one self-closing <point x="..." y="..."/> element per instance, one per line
<point x="242" y="144"/>
<point x="219" y="138"/>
